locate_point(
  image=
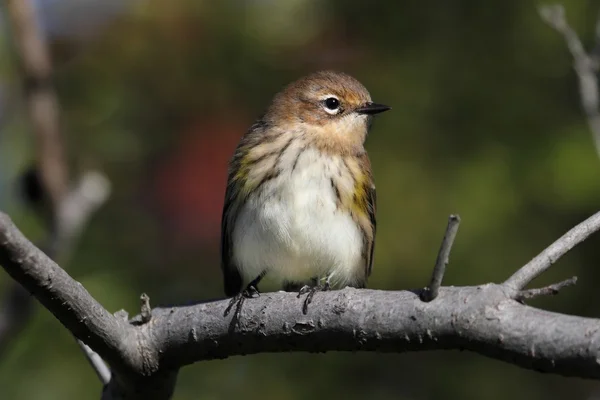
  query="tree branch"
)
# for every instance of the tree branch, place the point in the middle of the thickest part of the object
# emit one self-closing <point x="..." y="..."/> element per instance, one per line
<point x="97" y="363"/>
<point x="36" y="65"/>
<point x="549" y="290"/>
<point x="147" y="353"/>
<point x="67" y="299"/>
<point x="70" y="208"/>
<point x="443" y="258"/>
<point x="550" y="255"/>
<point x="586" y="65"/>
<point x="76" y="209"/>
<point x="482" y="319"/>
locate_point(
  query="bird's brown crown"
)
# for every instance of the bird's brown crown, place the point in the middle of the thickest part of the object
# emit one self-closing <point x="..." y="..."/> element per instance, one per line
<point x="324" y="104"/>
<point x="306" y="98"/>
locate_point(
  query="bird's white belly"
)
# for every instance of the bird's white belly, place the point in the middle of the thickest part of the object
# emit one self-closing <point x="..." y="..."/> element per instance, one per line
<point x="295" y="231"/>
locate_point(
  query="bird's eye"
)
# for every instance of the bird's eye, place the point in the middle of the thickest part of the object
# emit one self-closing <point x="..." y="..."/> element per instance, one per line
<point x="332" y="103"/>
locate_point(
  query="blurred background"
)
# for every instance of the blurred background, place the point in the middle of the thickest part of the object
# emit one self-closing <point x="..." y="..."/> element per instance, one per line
<point x="486" y="122"/>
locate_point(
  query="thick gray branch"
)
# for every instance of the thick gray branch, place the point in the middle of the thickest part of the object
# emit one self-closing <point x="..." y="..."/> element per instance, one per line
<point x="482" y="319"/>
<point x="66" y="298"/>
<point x="147" y="352"/>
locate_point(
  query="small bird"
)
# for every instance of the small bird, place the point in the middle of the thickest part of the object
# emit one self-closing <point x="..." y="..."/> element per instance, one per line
<point x="300" y="198"/>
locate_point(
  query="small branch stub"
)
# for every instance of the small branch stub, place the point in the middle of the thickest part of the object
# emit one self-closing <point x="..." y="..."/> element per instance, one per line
<point x="431" y="292"/>
<point x="549" y="290"/>
<point x="146" y="310"/>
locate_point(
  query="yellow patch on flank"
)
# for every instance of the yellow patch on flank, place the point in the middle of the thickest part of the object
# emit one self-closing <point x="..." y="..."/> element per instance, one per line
<point x="357" y="200"/>
<point x="242" y="175"/>
<point x="360" y="202"/>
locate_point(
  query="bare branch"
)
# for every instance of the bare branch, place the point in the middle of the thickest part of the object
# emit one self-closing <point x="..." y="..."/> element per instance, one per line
<point x="550" y="255"/>
<point x="75" y="211"/>
<point x="96" y="362"/>
<point x="70" y="208"/>
<point x="549" y="290"/>
<point x="443" y="257"/>
<point x="64" y="297"/>
<point x="145" y="355"/>
<point x="42" y="103"/>
<point x="484" y="319"/>
<point x="586" y="66"/>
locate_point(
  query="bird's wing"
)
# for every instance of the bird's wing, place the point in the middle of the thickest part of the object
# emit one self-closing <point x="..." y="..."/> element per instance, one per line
<point x="235" y="197"/>
<point x="366" y="198"/>
<point x="371" y="210"/>
<point x="232" y="279"/>
<point x="371" y="207"/>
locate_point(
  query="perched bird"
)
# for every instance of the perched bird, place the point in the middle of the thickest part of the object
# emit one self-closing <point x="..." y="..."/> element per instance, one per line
<point x="300" y="198"/>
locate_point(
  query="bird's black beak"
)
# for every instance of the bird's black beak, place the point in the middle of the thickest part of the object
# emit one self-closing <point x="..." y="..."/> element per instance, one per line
<point x="372" y="108"/>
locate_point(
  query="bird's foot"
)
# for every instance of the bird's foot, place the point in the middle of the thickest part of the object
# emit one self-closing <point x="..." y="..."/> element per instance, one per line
<point x="310" y="291"/>
<point x="250" y="292"/>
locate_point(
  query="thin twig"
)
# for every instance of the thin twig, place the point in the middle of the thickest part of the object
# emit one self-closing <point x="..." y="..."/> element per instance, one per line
<point x="97" y="363"/>
<point x="586" y="66"/>
<point x="551" y="254"/>
<point x="549" y="290"/>
<point x="431" y="292"/>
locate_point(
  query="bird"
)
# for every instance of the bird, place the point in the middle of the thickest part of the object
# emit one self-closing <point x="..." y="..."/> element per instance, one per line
<point x="300" y="200"/>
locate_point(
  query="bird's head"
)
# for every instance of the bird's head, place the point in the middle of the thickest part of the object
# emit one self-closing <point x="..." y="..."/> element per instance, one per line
<point x="332" y="108"/>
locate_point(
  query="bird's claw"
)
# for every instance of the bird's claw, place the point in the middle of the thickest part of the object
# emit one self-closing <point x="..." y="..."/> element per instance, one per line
<point x="310" y="293"/>
<point x="304" y="289"/>
<point x="251" y="292"/>
<point x="238" y="300"/>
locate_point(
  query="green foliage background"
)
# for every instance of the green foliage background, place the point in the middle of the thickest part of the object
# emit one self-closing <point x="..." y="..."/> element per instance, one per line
<point x="486" y="122"/>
